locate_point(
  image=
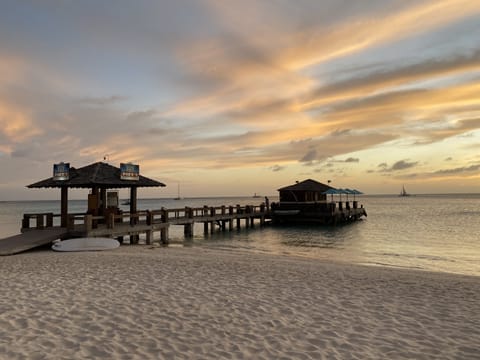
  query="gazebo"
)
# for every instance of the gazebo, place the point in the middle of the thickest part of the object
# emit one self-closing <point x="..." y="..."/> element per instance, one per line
<point x="304" y="191"/>
<point x="98" y="177"/>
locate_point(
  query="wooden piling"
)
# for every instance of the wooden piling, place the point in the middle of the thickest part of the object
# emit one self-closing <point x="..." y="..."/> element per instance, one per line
<point x="164" y="236"/>
<point x="188" y="230"/>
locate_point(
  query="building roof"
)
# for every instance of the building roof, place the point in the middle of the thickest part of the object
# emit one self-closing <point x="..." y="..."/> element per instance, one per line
<point x="98" y="174"/>
<point x="307" y="185"/>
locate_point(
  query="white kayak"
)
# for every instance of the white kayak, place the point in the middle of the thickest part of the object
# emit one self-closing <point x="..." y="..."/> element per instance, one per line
<point x="86" y="244"/>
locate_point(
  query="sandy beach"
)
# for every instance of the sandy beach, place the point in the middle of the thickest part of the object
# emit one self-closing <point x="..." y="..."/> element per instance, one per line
<point x="140" y="302"/>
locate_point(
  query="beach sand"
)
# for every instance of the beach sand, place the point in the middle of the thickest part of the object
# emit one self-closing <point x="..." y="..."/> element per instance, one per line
<point x="139" y="302"/>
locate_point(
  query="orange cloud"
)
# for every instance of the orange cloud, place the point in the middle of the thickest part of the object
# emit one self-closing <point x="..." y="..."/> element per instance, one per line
<point x="15" y="124"/>
<point x="357" y="34"/>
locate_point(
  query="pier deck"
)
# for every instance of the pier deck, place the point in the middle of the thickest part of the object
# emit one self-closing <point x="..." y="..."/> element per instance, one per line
<point x="30" y="239"/>
<point x="39" y="229"/>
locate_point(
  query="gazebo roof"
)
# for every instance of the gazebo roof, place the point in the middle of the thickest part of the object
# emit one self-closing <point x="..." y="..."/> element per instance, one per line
<point x="98" y="174"/>
<point x="307" y="185"/>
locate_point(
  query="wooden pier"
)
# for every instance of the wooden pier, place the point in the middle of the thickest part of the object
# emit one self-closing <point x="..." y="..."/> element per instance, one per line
<point x="39" y="229"/>
<point x="155" y="224"/>
<point x="104" y="218"/>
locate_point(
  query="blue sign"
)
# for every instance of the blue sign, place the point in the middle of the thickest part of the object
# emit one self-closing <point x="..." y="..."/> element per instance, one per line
<point x="129" y="171"/>
<point x="61" y="171"/>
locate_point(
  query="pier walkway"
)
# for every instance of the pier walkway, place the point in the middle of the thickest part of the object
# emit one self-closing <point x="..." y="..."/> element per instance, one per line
<point x="30" y="239"/>
<point x="38" y="229"/>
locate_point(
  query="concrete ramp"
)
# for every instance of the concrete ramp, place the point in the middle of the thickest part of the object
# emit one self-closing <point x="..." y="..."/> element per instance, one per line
<point x="29" y="240"/>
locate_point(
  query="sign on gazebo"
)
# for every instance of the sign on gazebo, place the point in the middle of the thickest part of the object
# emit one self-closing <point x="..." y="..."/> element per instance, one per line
<point x="61" y="171"/>
<point x="129" y="171"/>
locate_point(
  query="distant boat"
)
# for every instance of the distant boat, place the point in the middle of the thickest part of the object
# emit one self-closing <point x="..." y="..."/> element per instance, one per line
<point x="126" y="202"/>
<point x="178" y="193"/>
<point x="403" y="192"/>
<point x="256" y="196"/>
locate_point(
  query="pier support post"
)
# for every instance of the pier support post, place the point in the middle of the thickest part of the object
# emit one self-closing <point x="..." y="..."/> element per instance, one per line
<point x="87" y="219"/>
<point x="110" y="220"/>
<point x="188" y="230"/>
<point x="238" y="211"/>
<point x="164" y="236"/>
<point x="39" y="221"/>
<point x="25" y="221"/>
<point x="49" y="219"/>
<point x="71" y="222"/>
<point x="164" y="230"/>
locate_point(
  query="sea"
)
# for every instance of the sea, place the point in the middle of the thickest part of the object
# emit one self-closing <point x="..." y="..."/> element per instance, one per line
<point x="439" y="233"/>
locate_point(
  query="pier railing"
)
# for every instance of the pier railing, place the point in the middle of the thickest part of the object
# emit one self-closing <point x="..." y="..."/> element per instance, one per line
<point x="176" y="216"/>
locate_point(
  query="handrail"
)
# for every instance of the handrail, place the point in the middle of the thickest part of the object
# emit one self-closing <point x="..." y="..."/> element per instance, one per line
<point x="162" y="215"/>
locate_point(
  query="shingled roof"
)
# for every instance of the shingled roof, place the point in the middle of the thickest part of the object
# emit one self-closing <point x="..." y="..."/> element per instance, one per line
<point x="98" y="174"/>
<point x="307" y="185"/>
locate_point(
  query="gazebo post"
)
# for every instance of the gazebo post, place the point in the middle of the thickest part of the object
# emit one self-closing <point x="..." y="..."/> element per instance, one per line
<point x="133" y="199"/>
<point x="64" y="207"/>
<point x="133" y="211"/>
<point x="103" y="200"/>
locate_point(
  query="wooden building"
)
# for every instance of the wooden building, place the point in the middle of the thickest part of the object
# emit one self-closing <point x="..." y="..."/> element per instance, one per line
<point x="306" y="202"/>
<point x="98" y="177"/>
<point x="305" y="191"/>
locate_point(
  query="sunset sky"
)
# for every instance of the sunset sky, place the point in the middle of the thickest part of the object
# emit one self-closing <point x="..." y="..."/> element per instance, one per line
<point x="236" y="97"/>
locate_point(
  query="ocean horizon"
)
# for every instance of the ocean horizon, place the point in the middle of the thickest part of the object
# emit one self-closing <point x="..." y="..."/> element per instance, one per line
<point x="432" y="232"/>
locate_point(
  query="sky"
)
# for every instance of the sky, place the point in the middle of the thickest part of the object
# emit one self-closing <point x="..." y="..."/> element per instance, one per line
<point x="231" y="98"/>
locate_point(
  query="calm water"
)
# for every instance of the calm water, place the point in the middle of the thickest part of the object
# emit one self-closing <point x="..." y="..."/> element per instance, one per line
<point x="429" y="232"/>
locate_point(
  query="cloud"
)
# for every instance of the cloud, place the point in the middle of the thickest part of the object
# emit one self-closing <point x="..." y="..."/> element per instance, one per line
<point x="277" y="168"/>
<point x="384" y="79"/>
<point x="397" y="166"/>
<point x="469" y="171"/>
<point x="16" y="124"/>
<point x="310" y="156"/>
<point x="402" y="165"/>
<point x="100" y="101"/>
<point x="458" y="170"/>
<point x="215" y="85"/>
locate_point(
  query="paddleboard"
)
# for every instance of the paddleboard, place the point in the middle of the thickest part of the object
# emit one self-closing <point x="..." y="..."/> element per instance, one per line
<point x="85" y="244"/>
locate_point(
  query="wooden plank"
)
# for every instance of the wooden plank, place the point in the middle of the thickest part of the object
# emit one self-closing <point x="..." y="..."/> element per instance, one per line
<point x="29" y="240"/>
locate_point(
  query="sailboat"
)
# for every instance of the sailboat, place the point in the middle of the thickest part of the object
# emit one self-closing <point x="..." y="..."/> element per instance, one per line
<point x="178" y="193"/>
<point x="403" y="192"/>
